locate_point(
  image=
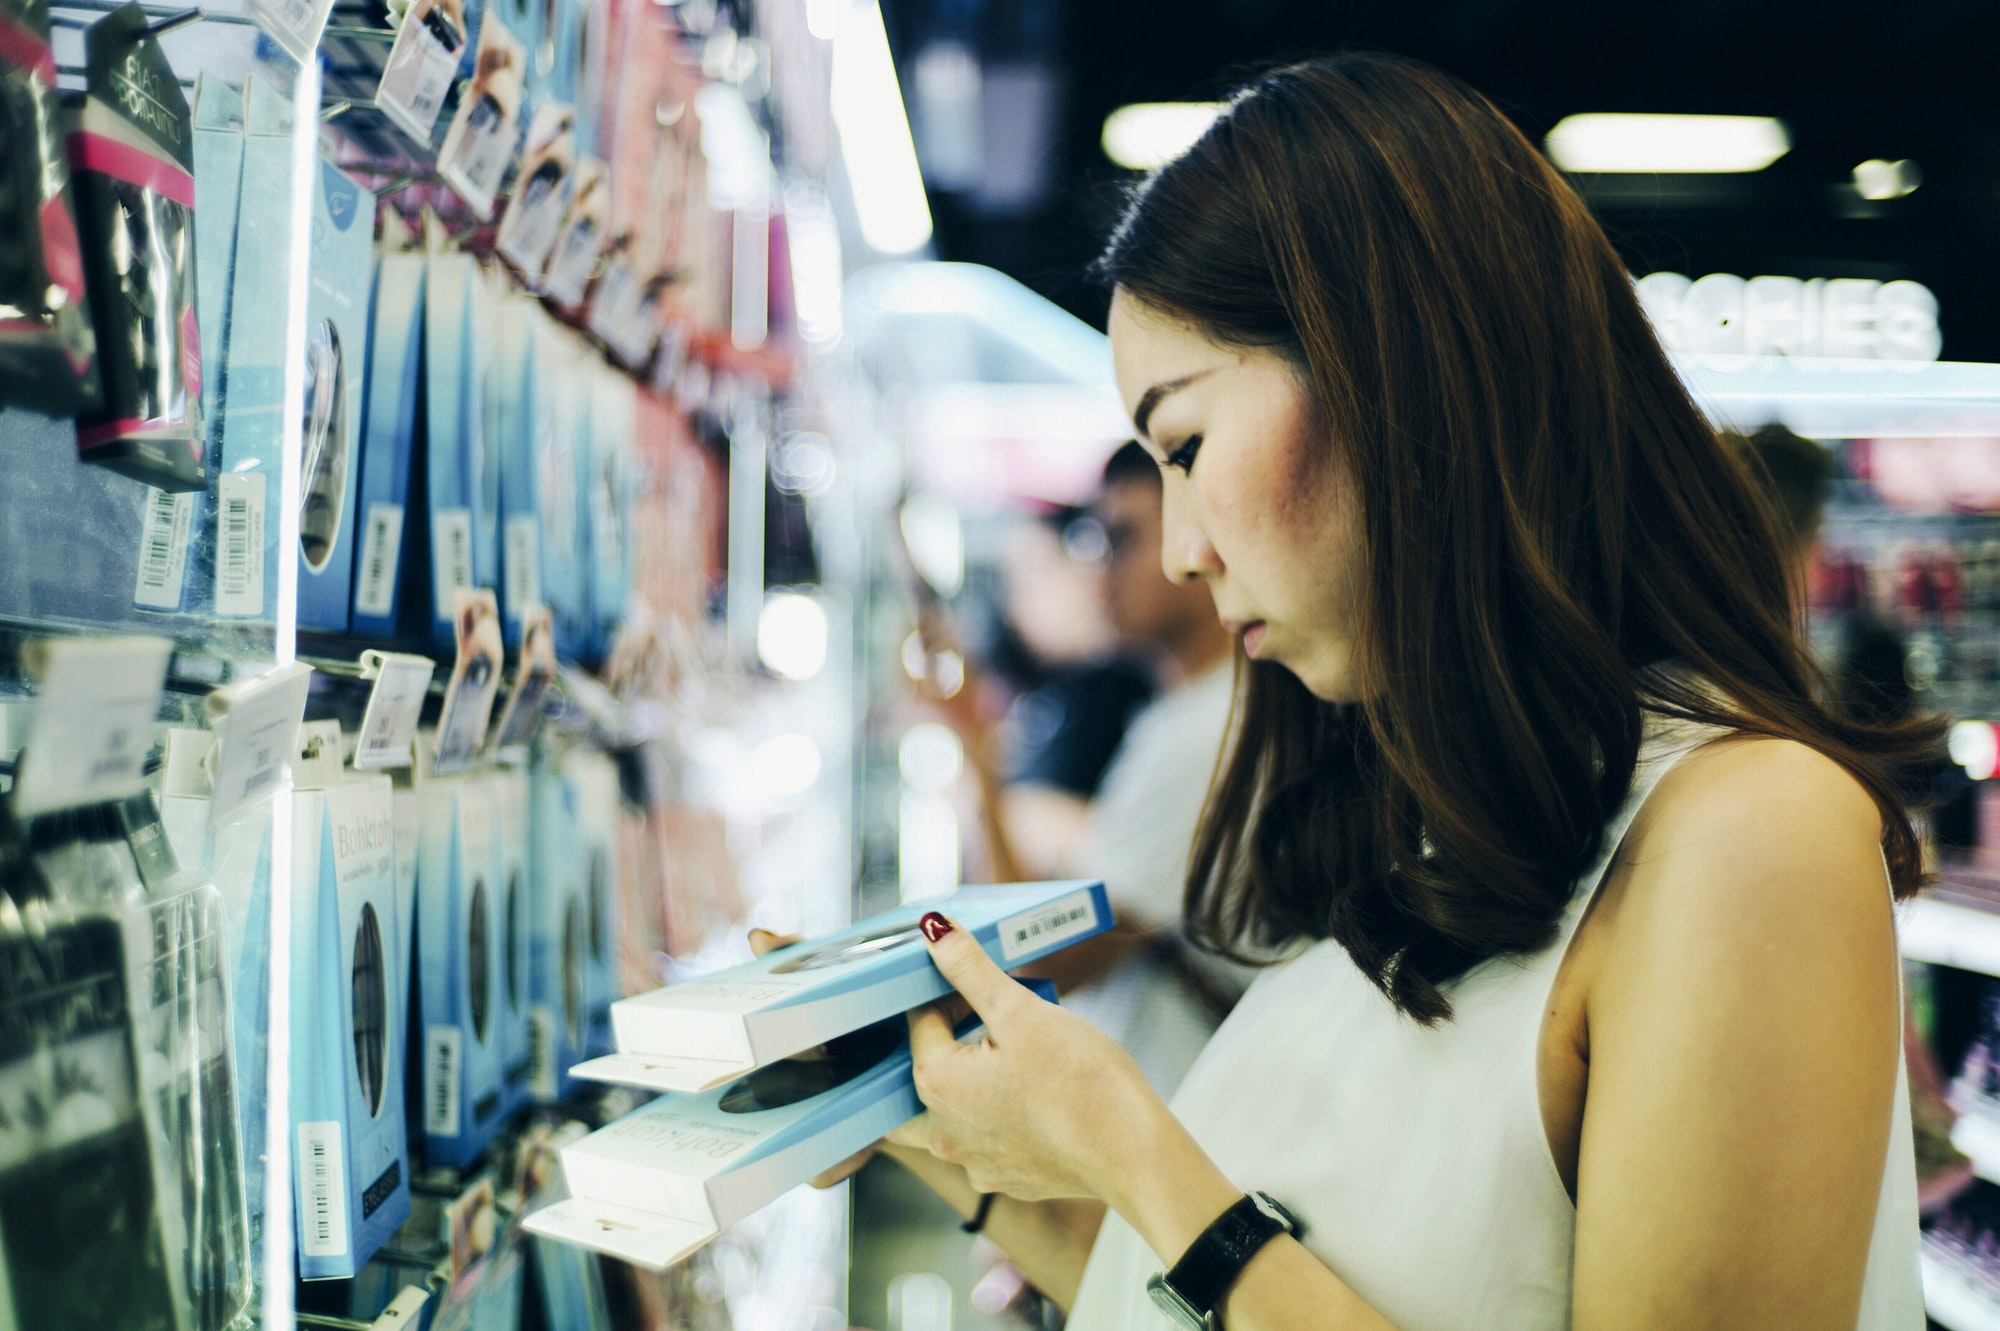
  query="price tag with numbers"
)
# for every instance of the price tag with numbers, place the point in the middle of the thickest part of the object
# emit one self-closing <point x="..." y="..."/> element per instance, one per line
<point x="394" y="706"/>
<point x="258" y="721"/>
<point x="93" y="721"/>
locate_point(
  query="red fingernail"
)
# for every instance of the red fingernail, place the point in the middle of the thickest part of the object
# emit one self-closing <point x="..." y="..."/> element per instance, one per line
<point x="934" y="925"/>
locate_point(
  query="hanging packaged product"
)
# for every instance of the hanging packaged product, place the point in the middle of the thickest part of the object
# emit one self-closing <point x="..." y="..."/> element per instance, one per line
<point x="48" y="351"/>
<point x="459" y="970"/>
<point x="388" y="452"/>
<point x="131" y="149"/>
<point x="429" y="42"/>
<point x="614" y="478"/>
<point x="486" y="131"/>
<point x="551" y="479"/>
<point x="533" y="677"/>
<point x="600" y="802"/>
<point x="575" y="47"/>
<point x="664" y="1180"/>
<point x="519" y="415"/>
<point x="336" y="354"/>
<point x="513" y="799"/>
<point x="572" y="260"/>
<point x="295" y="24"/>
<point x="541" y="196"/>
<point x="475" y="682"/>
<point x="699" y="1034"/>
<point x="558" y="932"/>
<point x="462" y="467"/>
<point x="351" y="1182"/>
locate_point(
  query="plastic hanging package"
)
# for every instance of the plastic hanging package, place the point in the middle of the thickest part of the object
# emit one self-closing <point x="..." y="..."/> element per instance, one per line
<point x="48" y="353"/>
<point x="131" y="146"/>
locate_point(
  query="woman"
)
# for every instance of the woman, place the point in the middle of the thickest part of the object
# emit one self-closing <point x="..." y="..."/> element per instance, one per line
<point x="1585" y="1009"/>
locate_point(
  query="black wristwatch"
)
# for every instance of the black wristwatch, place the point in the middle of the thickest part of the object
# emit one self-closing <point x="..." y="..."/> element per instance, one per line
<point x="1189" y="1293"/>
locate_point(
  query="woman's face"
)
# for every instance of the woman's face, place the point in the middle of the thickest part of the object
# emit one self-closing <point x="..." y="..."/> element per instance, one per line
<point x="1256" y="502"/>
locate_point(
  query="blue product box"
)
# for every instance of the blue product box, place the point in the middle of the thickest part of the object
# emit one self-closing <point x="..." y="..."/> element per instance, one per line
<point x="520" y="414"/>
<point x="394" y="406"/>
<point x="460" y="970"/>
<point x="662" y="1181"/>
<point x="698" y="1034"/>
<point x="351" y="1163"/>
<point x="560" y="470"/>
<point x="558" y="941"/>
<point x="514" y="799"/>
<point x="599" y="801"/>
<point x="337" y="317"/>
<point x="462" y="464"/>
<point x="613" y="487"/>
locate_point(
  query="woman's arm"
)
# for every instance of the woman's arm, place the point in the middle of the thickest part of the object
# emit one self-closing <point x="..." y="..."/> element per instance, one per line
<point x="1049" y="1240"/>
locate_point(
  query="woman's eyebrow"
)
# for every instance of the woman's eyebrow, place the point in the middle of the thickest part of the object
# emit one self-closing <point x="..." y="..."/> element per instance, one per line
<point x="1153" y="396"/>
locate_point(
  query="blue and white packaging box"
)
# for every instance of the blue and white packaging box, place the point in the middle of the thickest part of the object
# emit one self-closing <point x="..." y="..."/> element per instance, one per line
<point x="462" y="465"/>
<point x="337" y="319"/>
<point x="613" y="489"/>
<point x="351" y="1187"/>
<point x="599" y="801"/>
<point x="558" y="937"/>
<point x="662" y="1181"/>
<point x="701" y="1033"/>
<point x="460" y="969"/>
<point x="394" y="406"/>
<point x="520" y="416"/>
<point x="513" y="798"/>
<point x="560" y="471"/>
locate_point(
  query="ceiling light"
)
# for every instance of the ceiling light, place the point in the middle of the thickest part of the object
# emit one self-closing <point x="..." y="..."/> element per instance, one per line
<point x="1878" y="180"/>
<point x="1654" y="143"/>
<point x="1147" y="135"/>
<point x="875" y="139"/>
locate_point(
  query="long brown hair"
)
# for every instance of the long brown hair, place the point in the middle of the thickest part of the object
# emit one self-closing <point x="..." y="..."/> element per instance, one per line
<point x="1545" y="514"/>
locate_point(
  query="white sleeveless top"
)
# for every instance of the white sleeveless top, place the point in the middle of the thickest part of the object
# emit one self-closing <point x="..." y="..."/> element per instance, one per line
<point x="1417" y="1158"/>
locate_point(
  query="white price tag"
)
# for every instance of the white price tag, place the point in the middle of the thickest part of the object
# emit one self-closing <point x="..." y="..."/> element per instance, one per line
<point x="524" y="564"/>
<point x="239" y="544"/>
<point x="389" y="725"/>
<point x="381" y="555"/>
<point x="441" y="1080"/>
<point x="93" y="721"/>
<point x="296" y="24"/>
<point x="163" y="550"/>
<point x="421" y="66"/>
<point x="322" y="1191"/>
<point x="258" y="727"/>
<point x="542" y="1051"/>
<point x="451" y="555"/>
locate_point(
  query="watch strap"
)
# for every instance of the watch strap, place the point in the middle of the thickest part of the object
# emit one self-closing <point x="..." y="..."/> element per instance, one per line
<point x="1212" y="1262"/>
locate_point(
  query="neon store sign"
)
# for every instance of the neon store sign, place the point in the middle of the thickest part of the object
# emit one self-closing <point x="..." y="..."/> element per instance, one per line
<point x="1838" y="318"/>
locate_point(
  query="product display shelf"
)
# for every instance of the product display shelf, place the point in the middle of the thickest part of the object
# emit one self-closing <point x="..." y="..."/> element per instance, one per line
<point x="1955" y="1301"/>
<point x="1946" y="929"/>
<point x="1977" y="1135"/>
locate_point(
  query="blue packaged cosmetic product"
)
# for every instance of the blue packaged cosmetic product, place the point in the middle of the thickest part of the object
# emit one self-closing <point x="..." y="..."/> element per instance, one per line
<point x="350" y="1157"/>
<point x="460" y="970"/>
<point x="394" y="407"/>
<point x="698" y="1034"/>
<point x="595" y="777"/>
<point x="520" y="416"/>
<point x="613" y="487"/>
<point x="558" y="942"/>
<point x="513" y="798"/>
<point x="462" y="462"/>
<point x="662" y="1181"/>
<point x="558" y="465"/>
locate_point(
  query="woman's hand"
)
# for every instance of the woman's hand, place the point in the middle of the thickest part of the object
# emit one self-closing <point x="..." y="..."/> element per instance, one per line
<point x="1046" y="1105"/>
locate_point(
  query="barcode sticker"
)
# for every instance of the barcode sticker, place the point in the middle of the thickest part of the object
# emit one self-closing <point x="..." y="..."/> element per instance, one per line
<point x="441" y="1050"/>
<point x="451" y="557"/>
<point x="1047" y="927"/>
<point x="542" y="1051"/>
<point x="524" y="564"/>
<point x="381" y="550"/>
<point x="239" y="544"/>
<point x="163" y="548"/>
<point x="322" y="1191"/>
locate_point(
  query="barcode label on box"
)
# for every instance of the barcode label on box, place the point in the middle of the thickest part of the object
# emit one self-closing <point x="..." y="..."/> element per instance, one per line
<point x="322" y="1191"/>
<point x="524" y="564"/>
<point x="381" y="549"/>
<point x="239" y="544"/>
<point x="163" y="547"/>
<point x="1048" y="926"/>
<point x="451" y="530"/>
<point x="441" y="1050"/>
<point x="542" y="1051"/>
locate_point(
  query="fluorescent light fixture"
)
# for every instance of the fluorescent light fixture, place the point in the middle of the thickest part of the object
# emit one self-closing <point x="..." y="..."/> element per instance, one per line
<point x="1879" y="180"/>
<point x="875" y="138"/>
<point x="1658" y="143"/>
<point x="791" y="636"/>
<point x="1147" y="135"/>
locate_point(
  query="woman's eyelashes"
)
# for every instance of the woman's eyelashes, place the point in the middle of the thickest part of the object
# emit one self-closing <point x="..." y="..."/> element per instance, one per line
<point x="1183" y="457"/>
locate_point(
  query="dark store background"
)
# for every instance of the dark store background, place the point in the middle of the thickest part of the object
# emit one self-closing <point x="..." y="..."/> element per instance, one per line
<point x="1029" y="190"/>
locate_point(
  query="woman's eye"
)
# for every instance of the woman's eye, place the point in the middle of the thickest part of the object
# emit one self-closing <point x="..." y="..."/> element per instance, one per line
<point x="1183" y="457"/>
